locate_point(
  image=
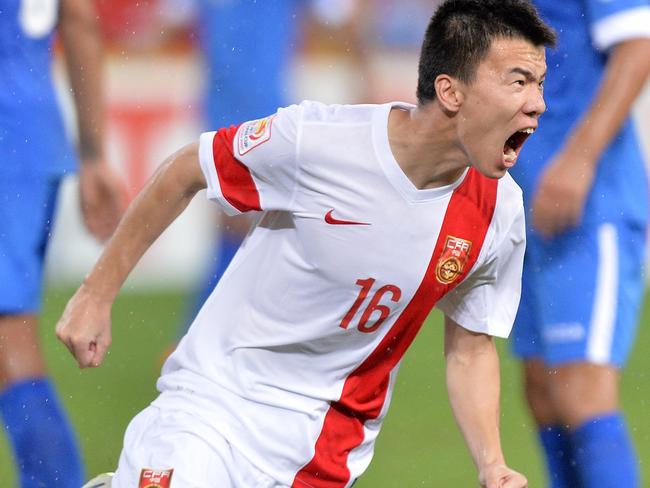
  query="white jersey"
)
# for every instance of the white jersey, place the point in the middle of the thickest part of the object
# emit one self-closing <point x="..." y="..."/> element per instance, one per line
<point x="294" y="356"/>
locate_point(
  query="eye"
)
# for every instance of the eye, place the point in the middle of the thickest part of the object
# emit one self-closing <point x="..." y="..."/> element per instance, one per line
<point x="520" y="82"/>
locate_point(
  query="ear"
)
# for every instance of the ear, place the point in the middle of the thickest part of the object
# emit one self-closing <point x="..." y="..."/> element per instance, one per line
<point x="449" y="92"/>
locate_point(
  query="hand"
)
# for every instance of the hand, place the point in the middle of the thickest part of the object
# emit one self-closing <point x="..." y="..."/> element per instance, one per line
<point x="85" y="328"/>
<point x="559" y="201"/>
<point x="102" y="198"/>
<point x="501" y="476"/>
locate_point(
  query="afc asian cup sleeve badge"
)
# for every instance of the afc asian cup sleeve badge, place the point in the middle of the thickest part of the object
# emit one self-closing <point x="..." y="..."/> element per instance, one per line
<point x="254" y="133"/>
<point x="155" y="478"/>
<point x="453" y="259"/>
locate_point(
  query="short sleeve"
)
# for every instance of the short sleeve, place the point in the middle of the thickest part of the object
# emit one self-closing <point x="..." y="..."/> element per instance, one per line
<point x="487" y="300"/>
<point x="615" y="21"/>
<point x="253" y="166"/>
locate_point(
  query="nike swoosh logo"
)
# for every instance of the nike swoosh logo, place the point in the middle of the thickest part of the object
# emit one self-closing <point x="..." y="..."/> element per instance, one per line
<point x="332" y="221"/>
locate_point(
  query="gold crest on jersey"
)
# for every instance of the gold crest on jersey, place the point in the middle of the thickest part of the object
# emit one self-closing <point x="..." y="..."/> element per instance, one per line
<point x="155" y="478"/>
<point x="252" y="134"/>
<point x="453" y="259"/>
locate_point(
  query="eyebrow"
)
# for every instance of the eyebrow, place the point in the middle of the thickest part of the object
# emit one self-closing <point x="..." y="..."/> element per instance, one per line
<point x="528" y="74"/>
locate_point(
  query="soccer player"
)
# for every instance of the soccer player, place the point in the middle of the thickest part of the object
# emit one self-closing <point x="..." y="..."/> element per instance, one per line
<point x="368" y="216"/>
<point x="34" y="156"/>
<point x="585" y="190"/>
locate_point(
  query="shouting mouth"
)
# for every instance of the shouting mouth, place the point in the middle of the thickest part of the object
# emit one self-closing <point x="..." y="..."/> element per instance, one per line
<point x="513" y="145"/>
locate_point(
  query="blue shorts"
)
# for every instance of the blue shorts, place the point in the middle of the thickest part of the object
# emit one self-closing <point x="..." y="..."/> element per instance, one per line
<point x="581" y="295"/>
<point x="26" y="220"/>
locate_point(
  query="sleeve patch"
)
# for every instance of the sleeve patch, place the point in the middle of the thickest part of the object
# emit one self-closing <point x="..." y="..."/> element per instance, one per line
<point x="254" y="133"/>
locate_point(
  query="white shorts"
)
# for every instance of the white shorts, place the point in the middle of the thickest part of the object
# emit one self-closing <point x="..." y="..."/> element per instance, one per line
<point x="159" y="440"/>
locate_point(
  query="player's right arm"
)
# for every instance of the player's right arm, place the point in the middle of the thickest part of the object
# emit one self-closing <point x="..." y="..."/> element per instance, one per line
<point x="85" y="326"/>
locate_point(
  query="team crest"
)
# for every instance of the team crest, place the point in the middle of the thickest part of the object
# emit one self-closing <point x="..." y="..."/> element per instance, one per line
<point x="254" y="133"/>
<point x="155" y="478"/>
<point x="453" y="259"/>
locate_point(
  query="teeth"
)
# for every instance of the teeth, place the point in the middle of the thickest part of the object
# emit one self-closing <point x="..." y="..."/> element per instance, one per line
<point x="510" y="154"/>
<point x="528" y="130"/>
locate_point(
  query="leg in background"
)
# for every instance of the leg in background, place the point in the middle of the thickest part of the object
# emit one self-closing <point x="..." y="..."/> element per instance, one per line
<point x="39" y="432"/>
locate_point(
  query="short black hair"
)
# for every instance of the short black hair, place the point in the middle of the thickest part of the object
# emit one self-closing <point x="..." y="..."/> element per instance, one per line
<point x="461" y="32"/>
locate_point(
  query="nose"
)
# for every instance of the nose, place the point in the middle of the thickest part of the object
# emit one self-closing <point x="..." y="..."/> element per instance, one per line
<point x="535" y="105"/>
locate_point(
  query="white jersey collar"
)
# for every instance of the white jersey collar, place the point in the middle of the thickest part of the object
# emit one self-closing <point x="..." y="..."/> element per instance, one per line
<point x="389" y="164"/>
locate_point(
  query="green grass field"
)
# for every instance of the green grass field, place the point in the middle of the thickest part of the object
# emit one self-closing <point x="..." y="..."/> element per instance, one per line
<point x="419" y="446"/>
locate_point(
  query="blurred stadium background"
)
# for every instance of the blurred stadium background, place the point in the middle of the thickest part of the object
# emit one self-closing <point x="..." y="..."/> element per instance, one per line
<point x="154" y="80"/>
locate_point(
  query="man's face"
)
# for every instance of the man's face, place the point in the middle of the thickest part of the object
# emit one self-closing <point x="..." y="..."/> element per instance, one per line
<point x="502" y="105"/>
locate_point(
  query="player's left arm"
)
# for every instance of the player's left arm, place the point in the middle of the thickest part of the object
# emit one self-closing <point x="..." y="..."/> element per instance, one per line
<point x="560" y="198"/>
<point x="473" y="385"/>
<point x="100" y="189"/>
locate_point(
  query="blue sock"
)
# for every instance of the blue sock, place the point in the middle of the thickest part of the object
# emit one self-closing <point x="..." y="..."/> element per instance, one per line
<point x="604" y="453"/>
<point x="41" y="437"/>
<point x="559" y="457"/>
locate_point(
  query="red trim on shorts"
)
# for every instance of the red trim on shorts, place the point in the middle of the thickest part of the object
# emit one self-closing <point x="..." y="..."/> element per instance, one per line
<point x="235" y="180"/>
<point x="468" y="216"/>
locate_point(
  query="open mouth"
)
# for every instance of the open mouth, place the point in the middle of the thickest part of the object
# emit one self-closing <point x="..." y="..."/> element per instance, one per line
<point x="513" y="145"/>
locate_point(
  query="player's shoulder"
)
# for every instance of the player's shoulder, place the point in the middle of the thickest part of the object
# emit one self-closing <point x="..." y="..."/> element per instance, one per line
<point x="289" y="123"/>
<point x="509" y="204"/>
<point x="509" y="188"/>
<point x="508" y="219"/>
<point x="313" y="112"/>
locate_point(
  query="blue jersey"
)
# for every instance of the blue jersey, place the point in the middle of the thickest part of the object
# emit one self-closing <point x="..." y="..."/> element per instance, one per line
<point x="248" y="46"/>
<point x="586" y="29"/>
<point x="32" y="136"/>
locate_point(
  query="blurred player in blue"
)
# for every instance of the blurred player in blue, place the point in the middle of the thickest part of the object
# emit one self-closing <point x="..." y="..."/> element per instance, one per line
<point x="34" y="156"/>
<point x="248" y="48"/>
<point x="585" y="190"/>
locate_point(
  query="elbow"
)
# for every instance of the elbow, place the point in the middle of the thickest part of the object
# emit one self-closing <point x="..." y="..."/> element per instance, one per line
<point x="462" y="358"/>
<point x="470" y="349"/>
<point x="184" y="170"/>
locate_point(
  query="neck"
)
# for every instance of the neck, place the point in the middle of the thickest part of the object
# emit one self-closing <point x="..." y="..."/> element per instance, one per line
<point x="424" y="143"/>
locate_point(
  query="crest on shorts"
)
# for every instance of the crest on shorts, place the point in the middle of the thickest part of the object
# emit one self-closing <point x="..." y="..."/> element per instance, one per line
<point x="155" y="478"/>
<point x="254" y="133"/>
<point x="454" y="257"/>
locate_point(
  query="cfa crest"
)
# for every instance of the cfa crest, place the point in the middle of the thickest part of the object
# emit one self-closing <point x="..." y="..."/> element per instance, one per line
<point x="452" y="261"/>
<point x="155" y="478"/>
<point x="254" y="133"/>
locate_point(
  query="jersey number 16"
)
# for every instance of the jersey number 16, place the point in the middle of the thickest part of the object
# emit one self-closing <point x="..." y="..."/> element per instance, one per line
<point x="365" y="324"/>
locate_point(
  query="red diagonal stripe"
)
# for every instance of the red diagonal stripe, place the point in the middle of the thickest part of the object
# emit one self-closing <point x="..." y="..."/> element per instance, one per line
<point x="468" y="216"/>
<point x="235" y="180"/>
